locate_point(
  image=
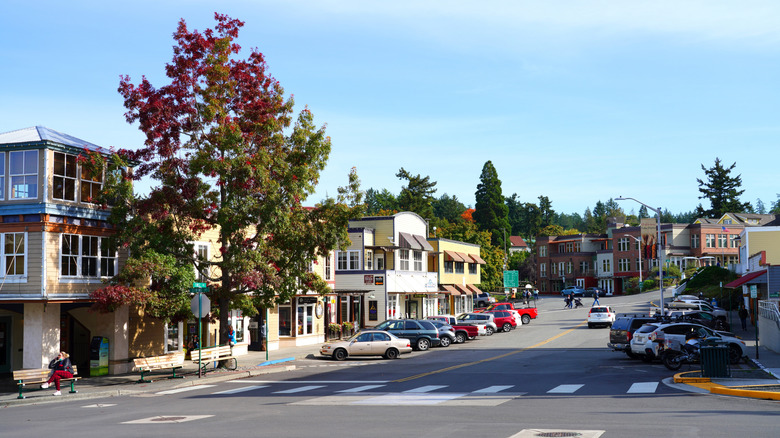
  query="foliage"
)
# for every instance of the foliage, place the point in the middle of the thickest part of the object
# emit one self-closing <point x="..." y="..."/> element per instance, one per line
<point x="490" y="211"/>
<point x="380" y="201"/>
<point x="710" y="275"/>
<point x="417" y="195"/>
<point x="468" y="215"/>
<point x="722" y="190"/>
<point x="775" y="205"/>
<point x="492" y="275"/>
<point x="448" y="208"/>
<point x="226" y="156"/>
<point x="551" y="230"/>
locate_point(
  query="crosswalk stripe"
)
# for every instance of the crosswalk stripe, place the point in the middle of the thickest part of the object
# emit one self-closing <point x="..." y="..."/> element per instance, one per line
<point x="643" y="387"/>
<point x="237" y="390"/>
<point x="361" y="388"/>
<point x="427" y="388"/>
<point x="492" y="389"/>
<point x="564" y="389"/>
<point x="185" y="389"/>
<point x="300" y="389"/>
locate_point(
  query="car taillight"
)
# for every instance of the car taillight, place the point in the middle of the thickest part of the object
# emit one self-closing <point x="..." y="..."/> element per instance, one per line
<point x="630" y="335"/>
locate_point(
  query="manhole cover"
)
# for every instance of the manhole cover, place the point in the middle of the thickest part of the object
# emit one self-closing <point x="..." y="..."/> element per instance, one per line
<point x="558" y="434"/>
<point x="184" y="418"/>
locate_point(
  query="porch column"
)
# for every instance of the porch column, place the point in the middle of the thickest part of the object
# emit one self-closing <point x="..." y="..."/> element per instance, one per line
<point x="41" y="334"/>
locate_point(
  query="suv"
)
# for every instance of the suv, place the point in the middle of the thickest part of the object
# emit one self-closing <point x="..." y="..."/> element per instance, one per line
<point x="504" y="320"/>
<point x="483" y="299"/>
<point x="575" y="291"/>
<point x="421" y="334"/>
<point x="601" y="315"/>
<point x="653" y="338"/>
<point x="479" y="318"/>
<point x="622" y="331"/>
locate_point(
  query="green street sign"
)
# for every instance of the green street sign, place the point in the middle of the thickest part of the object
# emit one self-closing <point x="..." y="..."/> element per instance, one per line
<point x="511" y="279"/>
<point x="200" y="285"/>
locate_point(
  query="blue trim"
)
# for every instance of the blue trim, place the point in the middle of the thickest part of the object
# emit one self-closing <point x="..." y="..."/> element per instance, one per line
<point x="53" y="209"/>
<point x="272" y="362"/>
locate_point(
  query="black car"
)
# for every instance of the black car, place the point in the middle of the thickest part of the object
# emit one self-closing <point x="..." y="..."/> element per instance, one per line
<point x="422" y="334"/>
<point x="623" y="329"/>
<point x="706" y="319"/>
<point x="589" y="292"/>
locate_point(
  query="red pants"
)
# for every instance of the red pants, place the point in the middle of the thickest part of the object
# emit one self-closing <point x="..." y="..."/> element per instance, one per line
<point x="57" y="376"/>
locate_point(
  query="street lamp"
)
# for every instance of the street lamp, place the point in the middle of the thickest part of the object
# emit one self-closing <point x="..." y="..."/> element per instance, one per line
<point x="639" y="247"/>
<point x="658" y="237"/>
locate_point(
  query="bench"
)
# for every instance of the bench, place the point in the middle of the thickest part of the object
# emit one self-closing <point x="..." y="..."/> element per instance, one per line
<point x="215" y="354"/>
<point x="174" y="361"/>
<point x="31" y="379"/>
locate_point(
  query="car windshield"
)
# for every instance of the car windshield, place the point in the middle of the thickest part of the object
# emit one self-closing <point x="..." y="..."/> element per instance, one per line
<point x="599" y="310"/>
<point x="647" y="328"/>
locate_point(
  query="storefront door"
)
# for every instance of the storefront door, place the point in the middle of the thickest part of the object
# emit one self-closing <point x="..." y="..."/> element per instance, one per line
<point x="5" y="345"/>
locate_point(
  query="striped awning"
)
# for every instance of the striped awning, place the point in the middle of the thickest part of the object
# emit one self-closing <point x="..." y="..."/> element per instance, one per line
<point x="463" y="290"/>
<point x="455" y="256"/>
<point x="450" y="289"/>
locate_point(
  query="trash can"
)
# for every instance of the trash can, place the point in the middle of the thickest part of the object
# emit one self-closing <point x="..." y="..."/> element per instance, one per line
<point x="98" y="356"/>
<point x="715" y="361"/>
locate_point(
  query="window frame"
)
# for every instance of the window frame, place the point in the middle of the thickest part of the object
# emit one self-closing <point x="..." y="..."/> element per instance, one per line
<point x="77" y="257"/>
<point x="24" y="175"/>
<point x="19" y="257"/>
<point x="68" y="163"/>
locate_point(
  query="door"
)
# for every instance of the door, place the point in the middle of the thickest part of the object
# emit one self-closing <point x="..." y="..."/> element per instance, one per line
<point x="412" y="309"/>
<point x="5" y="345"/>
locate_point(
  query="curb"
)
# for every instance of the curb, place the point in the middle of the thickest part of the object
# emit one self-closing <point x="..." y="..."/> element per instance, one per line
<point x="743" y="391"/>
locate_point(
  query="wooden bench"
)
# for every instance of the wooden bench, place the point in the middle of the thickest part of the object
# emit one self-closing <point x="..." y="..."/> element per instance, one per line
<point x="32" y="378"/>
<point x="174" y="361"/>
<point x="215" y="354"/>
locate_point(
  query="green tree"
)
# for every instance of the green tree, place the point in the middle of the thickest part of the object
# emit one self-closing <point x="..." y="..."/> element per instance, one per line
<point x="722" y="190"/>
<point x="760" y="207"/>
<point x="490" y="211"/>
<point x="417" y="195"/>
<point x="492" y="272"/>
<point x="547" y="212"/>
<point x="448" y="208"/>
<point x="776" y="205"/>
<point x="224" y="154"/>
<point x="380" y="201"/>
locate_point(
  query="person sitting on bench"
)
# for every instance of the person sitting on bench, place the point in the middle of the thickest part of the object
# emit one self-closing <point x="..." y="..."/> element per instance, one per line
<point x="62" y="370"/>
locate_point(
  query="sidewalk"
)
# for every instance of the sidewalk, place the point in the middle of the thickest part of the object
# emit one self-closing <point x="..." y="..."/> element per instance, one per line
<point x="253" y="363"/>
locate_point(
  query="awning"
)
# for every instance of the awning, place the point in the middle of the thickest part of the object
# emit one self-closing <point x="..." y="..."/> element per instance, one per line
<point x="408" y="241"/>
<point x="456" y="256"/>
<point x="477" y="259"/>
<point x="474" y="288"/>
<point x="463" y="290"/>
<point x="450" y="289"/>
<point x="745" y="279"/>
<point x="423" y="242"/>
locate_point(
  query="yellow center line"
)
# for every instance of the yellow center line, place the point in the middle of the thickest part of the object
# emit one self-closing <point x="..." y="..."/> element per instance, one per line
<point x="468" y="364"/>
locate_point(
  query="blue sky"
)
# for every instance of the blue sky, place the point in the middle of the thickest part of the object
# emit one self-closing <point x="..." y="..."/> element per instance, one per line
<point x="579" y="101"/>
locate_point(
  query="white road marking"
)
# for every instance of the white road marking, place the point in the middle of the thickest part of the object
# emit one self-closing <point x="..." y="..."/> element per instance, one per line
<point x="492" y="389"/>
<point x="409" y="399"/>
<point x="185" y="389"/>
<point x="564" y="389"/>
<point x="643" y="388"/>
<point x="423" y="389"/>
<point x="163" y="419"/>
<point x="298" y="382"/>
<point x="237" y="390"/>
<point x="300" y="389"/>
<point x="361" y="388"/>
<point x="100" y="405"/>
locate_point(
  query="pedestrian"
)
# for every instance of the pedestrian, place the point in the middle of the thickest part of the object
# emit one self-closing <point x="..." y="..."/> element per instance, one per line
<point x="596" y="298"/>
<point x="743" y="314"/>
<point x="566" y="302"/>
<point x="571" y="300"/>
<point x="536" y="294"/>
<point x="231" y="336"/>
<point x="701" y="295"/>
<point x="62" y="370"/>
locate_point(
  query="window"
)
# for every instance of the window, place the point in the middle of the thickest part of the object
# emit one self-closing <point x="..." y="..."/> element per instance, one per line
<point x="624" y="265"/>
<point x="568" y="267"/>
<point x="305" y="318"/>
<point x="734" y="240"/>
<point x="328" y="267"/>
<point x="202" y="254"/>
<point x="561" y="267"/>
<point x="341" y="261"/>
<point x="403" y="256"/>
<point x="543" y="269"/>
<point x="354" y="260"/>
<point x="90" y="186"/>
<point x="348" y="260"/>
<point x="173" y="337"/>
<point x="710" y="241"/>
<point x="623" y="244"/>
<point x="2" y="175"/>
<point x="449" y="266"/>
<point x="694" y="241"/>
<point x="458" y="267"/>
<point x="418" y="265"/>
<point x="584" y="266"/>
<point x="65" y="177"/>
<point x="543" y="251"/>
<point x="87" y="256"/>
<point x="606" y="266"/>
<point x="472" y="268"/>
<point x="722" y="239"/>
<point x="13" y="254"/>
<point x="569" y="247"/>
<point x="369" y="259"/>
<point x="553" y="269"/>
<point x="638" y="264"/>
<point x="23" y="171"/>
<point x="560" y="247"/>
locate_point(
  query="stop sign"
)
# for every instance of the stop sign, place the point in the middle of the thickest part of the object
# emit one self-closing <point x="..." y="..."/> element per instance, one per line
<point x="200" y="305"/>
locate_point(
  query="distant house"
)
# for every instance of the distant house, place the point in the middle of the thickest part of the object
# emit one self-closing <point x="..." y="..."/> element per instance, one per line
<point x="517" y="244"/>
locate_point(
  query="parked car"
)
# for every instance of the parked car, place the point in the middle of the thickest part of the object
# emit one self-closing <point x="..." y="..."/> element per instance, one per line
<point x="462" y="332"/>
<point x="503" y="319"/>
<point x="706" y="319"/>
<point x="601" y="315"/>
<point x="479" y="318"/>
<point x="650" y="338"/>
<point x="367" y="343"/>
<point x="446" y="332"/>
<point x="592" y="290"/>
<point x="422" y="334"/>
<point x="575" y="291"/>
<point x="526" y="313"/>
<point x="622" y="331"/>
<point x="483" y="299"/>
<point x="697" y="305"/>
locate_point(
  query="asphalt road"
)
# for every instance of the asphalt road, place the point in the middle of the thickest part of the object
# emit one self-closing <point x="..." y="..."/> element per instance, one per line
<point x="553" y="377"/>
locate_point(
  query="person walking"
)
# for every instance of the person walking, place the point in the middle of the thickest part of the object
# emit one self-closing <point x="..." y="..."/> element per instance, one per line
<point x="743" y="314"/>
<point x="596" y="298"/>
<point x="571" y="300"/>
<point x="62" y="370"/>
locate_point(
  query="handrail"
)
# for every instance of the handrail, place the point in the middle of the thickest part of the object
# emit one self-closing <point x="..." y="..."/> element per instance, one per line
<point x="769" y="310"/>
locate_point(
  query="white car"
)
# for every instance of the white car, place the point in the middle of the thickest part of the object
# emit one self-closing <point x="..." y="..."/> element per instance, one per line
<point x="601" y="315"/>
<point x="516" y="315"/>
<point x="650" y="338"/>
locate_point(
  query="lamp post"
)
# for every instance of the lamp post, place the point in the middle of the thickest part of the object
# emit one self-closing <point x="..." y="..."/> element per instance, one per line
<point x="658" y="238"/>
<point x="639" y="248"/>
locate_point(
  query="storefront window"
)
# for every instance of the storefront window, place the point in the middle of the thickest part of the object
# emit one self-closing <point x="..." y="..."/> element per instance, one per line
<point x="173" y="337"/>
<point x="285" y="321"/>
<point x="305" y="318"/>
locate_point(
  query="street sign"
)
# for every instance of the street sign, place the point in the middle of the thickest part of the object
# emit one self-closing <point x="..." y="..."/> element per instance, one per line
<point x="511" y="279"/>
<point x="200" y="305"/>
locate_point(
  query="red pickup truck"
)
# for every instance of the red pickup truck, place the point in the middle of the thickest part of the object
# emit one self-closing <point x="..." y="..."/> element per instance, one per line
<point x="526" y="313"/>
<point x="462" y="332"/>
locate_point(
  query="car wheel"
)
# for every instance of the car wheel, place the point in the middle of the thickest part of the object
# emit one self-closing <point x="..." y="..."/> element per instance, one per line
<point x="445" y="341"/>
<point x="590" y="325"/>
<point x="391" y="353"/>
<point x="489" y="331"/>
<point x="735" y="354"/>
<point x="631" y="354"/>
<point x="340" y="354"/>
<point x="460" y="338"/>
<point x="423" y="344"/>
<point x="526" y="319"/>
<point x="506" y="327"/>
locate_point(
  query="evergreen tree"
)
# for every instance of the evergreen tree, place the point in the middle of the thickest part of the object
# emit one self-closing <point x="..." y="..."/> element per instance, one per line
<point x="378" y="202"/>
<point x="643" y="212"/>
<point x="760" y="207"/>
<point x="722" y="190"/>
<point x="448" y="208"/>
<point x="417" y="195"/>
<point x="548" y="214"/>
<point x="490" y="211"/>
<point x="776" y="206"/>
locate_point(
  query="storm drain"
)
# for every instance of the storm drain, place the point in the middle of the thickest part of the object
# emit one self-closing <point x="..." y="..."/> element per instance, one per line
<point x="162" y="419"/>
<point x="558" y="434"/>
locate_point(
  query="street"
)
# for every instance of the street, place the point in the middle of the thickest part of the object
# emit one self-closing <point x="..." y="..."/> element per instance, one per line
<point x="554" y="375"/>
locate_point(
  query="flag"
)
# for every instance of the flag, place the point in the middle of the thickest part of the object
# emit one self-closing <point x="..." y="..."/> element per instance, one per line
<point x="725" y="230"/>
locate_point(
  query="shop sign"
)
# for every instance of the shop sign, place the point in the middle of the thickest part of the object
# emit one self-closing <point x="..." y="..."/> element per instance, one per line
<point x="368" y="279"/>
<point x="379" y="280"/>
<point x="307" y="300"/>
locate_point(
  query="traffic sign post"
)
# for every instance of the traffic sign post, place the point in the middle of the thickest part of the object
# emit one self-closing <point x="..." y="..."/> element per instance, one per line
<point x="197" y="305"/>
